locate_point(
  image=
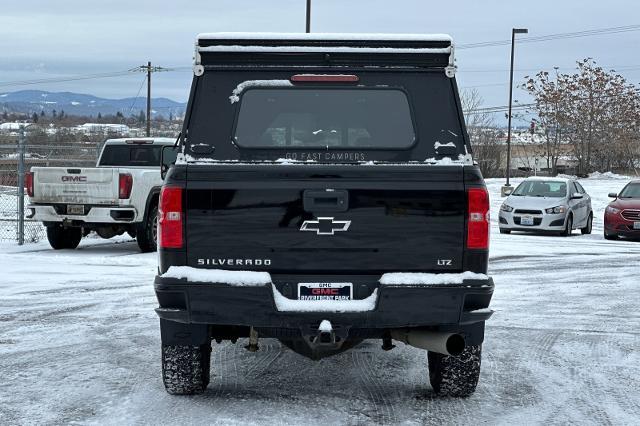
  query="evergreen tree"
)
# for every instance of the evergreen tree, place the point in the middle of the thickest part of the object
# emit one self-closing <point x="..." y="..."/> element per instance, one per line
<point x="34" y="117"/>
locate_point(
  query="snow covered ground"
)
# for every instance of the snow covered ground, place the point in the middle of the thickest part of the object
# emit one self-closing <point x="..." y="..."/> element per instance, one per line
<point x="79" y="343"/>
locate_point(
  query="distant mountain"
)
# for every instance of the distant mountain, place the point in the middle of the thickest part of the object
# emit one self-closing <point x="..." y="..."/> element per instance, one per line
<point x="30" y="101"/>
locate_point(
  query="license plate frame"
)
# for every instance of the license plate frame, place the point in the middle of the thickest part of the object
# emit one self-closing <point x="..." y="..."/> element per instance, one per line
<point x="333" y="291"/>
<point x="75" y="209"/>
<point x="636" y="226"/>
<point x="526" y="220"/>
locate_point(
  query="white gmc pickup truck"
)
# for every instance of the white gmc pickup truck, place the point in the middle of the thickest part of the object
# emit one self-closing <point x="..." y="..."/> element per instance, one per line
<point x="119" y="195"/>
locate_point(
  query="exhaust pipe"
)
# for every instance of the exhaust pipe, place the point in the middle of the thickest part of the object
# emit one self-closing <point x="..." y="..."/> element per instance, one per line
<point x="433" y="341"/>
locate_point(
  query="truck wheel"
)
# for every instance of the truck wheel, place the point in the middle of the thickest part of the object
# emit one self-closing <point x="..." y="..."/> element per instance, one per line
<point x="186" y="369"/>
<point x="587" y="229"/>
<point x="63" y="238"/>
<point x="455" y="375"/>
<point x="147" y="232"/>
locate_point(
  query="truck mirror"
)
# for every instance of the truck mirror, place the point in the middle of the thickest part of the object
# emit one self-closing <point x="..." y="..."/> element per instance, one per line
<point x="168" y="157"/>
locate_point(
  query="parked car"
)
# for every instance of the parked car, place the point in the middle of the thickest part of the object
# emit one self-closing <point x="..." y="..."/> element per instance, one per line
<point x="541" y="204"/>
<point x="119" y="195"/>
<point x="311" y="205"/>
<point x="622" y="215"/>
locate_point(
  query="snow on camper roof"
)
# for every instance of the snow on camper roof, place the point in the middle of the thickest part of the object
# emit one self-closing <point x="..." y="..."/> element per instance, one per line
<point x="324" y="42"/>
<point x="324" y="36"/>
<point x="346" y="49"/>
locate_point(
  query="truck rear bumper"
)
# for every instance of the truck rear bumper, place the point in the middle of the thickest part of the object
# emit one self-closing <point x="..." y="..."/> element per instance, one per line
<point x="451" y="306"/>
<point x="106" y="214"/>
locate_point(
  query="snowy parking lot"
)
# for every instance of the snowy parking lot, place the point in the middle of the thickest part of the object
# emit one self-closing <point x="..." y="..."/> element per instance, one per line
<point x="79" y="343"/>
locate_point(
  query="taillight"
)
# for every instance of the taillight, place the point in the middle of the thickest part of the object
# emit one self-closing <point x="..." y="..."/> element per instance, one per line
<point x="28" y="182"/>
<point x="170" y="218"/>
<point x="125" y="183"/>
<point x="324" y="78"/>
<point x="478" y="220"/>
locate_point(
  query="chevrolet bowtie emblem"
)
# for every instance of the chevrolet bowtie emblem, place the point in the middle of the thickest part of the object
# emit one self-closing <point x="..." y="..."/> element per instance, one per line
<point x="325" y="225"/>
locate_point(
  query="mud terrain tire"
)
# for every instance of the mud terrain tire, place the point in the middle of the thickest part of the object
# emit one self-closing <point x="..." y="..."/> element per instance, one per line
<point x="186" y="369"/>
<point x="455" y="376"/>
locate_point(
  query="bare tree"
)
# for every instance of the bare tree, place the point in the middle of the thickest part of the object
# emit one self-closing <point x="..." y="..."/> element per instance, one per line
<point x="596" y="111"/>
<point x="482" y="133"/>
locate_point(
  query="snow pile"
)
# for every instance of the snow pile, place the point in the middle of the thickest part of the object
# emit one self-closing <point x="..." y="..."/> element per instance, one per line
<point x="607" y="175"/>
<point x="236" y="278"/>
<point x="419" y="278"/>
<point x="284" y="304"/>
<point x="235" y="95"/>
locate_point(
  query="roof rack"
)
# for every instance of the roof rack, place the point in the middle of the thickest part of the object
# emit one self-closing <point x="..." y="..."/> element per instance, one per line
<point x="295" y="49"/>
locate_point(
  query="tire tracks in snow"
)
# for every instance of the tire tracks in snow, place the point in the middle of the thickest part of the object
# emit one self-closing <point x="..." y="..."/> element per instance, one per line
<point x="383" y="406"/>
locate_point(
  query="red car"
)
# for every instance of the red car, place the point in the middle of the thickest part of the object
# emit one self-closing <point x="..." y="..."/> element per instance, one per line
<point x="622" y="215"/>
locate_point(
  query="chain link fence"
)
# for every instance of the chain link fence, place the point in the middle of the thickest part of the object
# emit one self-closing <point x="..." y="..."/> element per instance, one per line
<point x="17" y="157"/>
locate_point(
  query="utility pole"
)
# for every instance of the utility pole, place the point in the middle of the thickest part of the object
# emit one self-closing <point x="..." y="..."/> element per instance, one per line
<point x="308" y="16"/>
<point x="148" y="69"/>
<point x="506" y="189"/>
<point x="148" y="99"/>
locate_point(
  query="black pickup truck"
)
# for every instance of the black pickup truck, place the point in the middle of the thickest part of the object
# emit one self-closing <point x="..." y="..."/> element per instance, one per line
<point x="324" y="194"/>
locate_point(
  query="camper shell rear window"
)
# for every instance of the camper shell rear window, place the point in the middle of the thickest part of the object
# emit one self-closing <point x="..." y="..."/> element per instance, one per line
<point x="324" y="118"/>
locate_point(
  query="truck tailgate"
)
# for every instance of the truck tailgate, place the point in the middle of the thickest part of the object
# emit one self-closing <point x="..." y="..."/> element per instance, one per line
<point x="75" y="185"/>
<point x="325" y="218"/>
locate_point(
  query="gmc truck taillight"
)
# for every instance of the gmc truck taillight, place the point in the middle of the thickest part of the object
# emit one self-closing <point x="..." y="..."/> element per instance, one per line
<point x="125" y="183"/>
<point x="478" y="220"/>
<point x="28" y="182"/>
<point x="170" y="218"/>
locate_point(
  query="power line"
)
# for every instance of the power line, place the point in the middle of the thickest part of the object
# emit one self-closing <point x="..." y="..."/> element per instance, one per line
<point x="137" y="95"/>
<point x="549" y="37"/>
<point x="64" y="79"/>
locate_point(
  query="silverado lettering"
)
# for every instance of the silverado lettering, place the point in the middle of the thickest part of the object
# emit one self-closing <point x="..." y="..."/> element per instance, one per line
<point x="234" y="262"/>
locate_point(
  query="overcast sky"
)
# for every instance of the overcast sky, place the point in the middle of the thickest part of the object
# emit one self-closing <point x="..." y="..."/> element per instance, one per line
<point x="44" y="39"/>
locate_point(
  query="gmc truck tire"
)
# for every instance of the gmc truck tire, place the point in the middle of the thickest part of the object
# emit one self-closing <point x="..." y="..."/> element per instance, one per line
<point x="63" y="238"/>
<point x="147" y="232"/>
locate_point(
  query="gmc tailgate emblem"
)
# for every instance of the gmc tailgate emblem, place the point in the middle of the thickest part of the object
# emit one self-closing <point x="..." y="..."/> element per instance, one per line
<point x="325" y="225"/>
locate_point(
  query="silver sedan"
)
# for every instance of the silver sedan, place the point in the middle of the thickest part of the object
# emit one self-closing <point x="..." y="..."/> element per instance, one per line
<point x="547" y="205"/>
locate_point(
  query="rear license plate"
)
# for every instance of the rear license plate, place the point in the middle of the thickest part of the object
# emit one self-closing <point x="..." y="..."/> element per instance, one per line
<point x="75" y="209"/>
<point x="636" y="225"/>
<point x="526" y="220"/>
<point x="325" y="291"/>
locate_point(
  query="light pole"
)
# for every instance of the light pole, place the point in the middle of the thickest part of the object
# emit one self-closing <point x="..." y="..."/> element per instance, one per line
<point x="308" y="26"/>
<point x="506" y="189"/>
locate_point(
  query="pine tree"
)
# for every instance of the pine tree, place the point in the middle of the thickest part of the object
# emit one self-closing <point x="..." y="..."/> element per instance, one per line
<point x="34" y="117"/>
